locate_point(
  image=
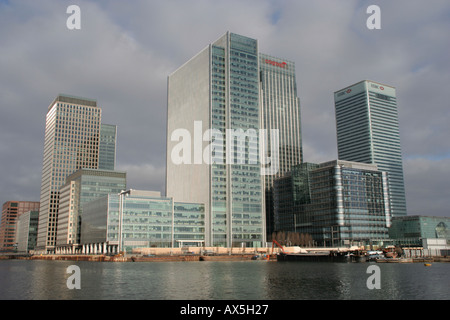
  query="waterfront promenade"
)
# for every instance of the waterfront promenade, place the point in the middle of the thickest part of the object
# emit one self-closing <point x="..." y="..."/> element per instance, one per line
<point x="203" y="254"/>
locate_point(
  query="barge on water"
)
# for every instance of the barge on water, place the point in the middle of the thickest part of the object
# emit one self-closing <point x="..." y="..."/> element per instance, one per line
<point x="353" y="254"/>
<point x="324" y="256"/>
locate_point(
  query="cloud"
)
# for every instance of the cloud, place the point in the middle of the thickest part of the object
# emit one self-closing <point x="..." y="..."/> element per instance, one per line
<point x="125" y="50"/>
<point x="144" y="177"/>
<point x="428" y="186"/>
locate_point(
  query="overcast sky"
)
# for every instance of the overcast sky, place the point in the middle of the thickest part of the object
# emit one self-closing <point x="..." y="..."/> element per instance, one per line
<point x="125" y="50"/>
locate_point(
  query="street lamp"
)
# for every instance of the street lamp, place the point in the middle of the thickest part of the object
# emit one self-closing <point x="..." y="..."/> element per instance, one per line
<point x="120" y="237"/>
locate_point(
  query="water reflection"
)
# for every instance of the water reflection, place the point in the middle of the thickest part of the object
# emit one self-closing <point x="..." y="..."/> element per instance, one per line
<point x="209" y="280"/>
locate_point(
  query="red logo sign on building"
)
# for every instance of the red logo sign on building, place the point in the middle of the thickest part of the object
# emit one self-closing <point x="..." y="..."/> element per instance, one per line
<point x="277" y="64"/>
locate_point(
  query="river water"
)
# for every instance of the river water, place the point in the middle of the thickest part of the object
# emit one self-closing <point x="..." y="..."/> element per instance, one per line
<point x="210" y="280"/>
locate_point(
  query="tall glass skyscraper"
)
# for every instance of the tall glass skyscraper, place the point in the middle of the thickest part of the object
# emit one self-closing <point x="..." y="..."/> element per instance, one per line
<point x="107" y="145"/>
<point x="72" y="140"/>
<point x="280" y="110"/>
<point x="368" y="131"/>
<point x="230" y="87"/>
<point x="218" y="90"/>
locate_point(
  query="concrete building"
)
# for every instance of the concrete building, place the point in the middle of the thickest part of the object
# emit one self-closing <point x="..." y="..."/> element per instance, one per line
<point x="368" y="131"/>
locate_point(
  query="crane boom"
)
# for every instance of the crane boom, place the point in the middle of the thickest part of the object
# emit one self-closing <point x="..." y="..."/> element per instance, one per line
<point x="275" y="242"/>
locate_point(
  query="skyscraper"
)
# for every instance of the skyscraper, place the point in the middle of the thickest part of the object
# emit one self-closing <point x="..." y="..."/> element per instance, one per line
<point x="72" y="138"/>
<point x="280" y="110"/>
<point x="231" y="96"/>
<point x="107" y="145"/>
<point x="368" y="131"/>
<point x="218" y="90"/>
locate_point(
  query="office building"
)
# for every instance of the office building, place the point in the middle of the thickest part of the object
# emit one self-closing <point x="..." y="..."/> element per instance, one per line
<point x="140" y="219"/>
<point x="26" y="234"/>
<point x="218" y="90"/>
<point x="82" y="186"/>
<point x="280" y="110"/>
<point x="337" y="203"/>
<point x="107" y="147"/>
<point x="292" y="197"/>
<point x="11" y="211"/>
<point x="412" y="230"/>
<point x="368" y="131"/>
<point x="72" y="142"/>
<point x="230" y="87"/>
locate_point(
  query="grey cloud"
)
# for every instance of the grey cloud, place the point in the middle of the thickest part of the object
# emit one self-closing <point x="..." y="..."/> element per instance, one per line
<point x="125" y="50"/>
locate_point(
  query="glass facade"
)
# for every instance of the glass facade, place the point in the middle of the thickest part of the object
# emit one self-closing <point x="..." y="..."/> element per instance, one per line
<point x="219" y="87"/>
<point x="83" y="186"/>
<point x="410" y="230"/>
<point x="236" y="185"/>
<point x="368" y="131"/>
<point x="219" y="168"/>
<point x="107" y="147"/>
<point x="280" y="110"/>
<point x="27" y="231"/>
<point x="338" y="203"/>
<point x="291" y="196"/>
<point x="146" y="221"/>
<point x="189" y="222"/>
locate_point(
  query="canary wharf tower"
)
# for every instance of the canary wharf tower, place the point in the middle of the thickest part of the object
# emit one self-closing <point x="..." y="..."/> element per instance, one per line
<point x="368" y="131"/>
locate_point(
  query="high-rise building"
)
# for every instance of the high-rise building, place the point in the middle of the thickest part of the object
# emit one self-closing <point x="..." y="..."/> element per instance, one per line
<point x="230" y="87"/>
<point x="72" y="140"/>
<point x="107" y="145"/>
<point x="281" y="111"/>
<point x="11" y="211"/>
<point x="218" y="90"/>
<point x="368" y="131"/>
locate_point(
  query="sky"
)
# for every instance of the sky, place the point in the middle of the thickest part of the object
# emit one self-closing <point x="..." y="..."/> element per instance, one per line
<point x="125" y="50"/>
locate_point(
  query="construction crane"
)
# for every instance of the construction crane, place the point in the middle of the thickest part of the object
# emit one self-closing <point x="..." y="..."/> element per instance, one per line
<point x="275" y="242"/>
